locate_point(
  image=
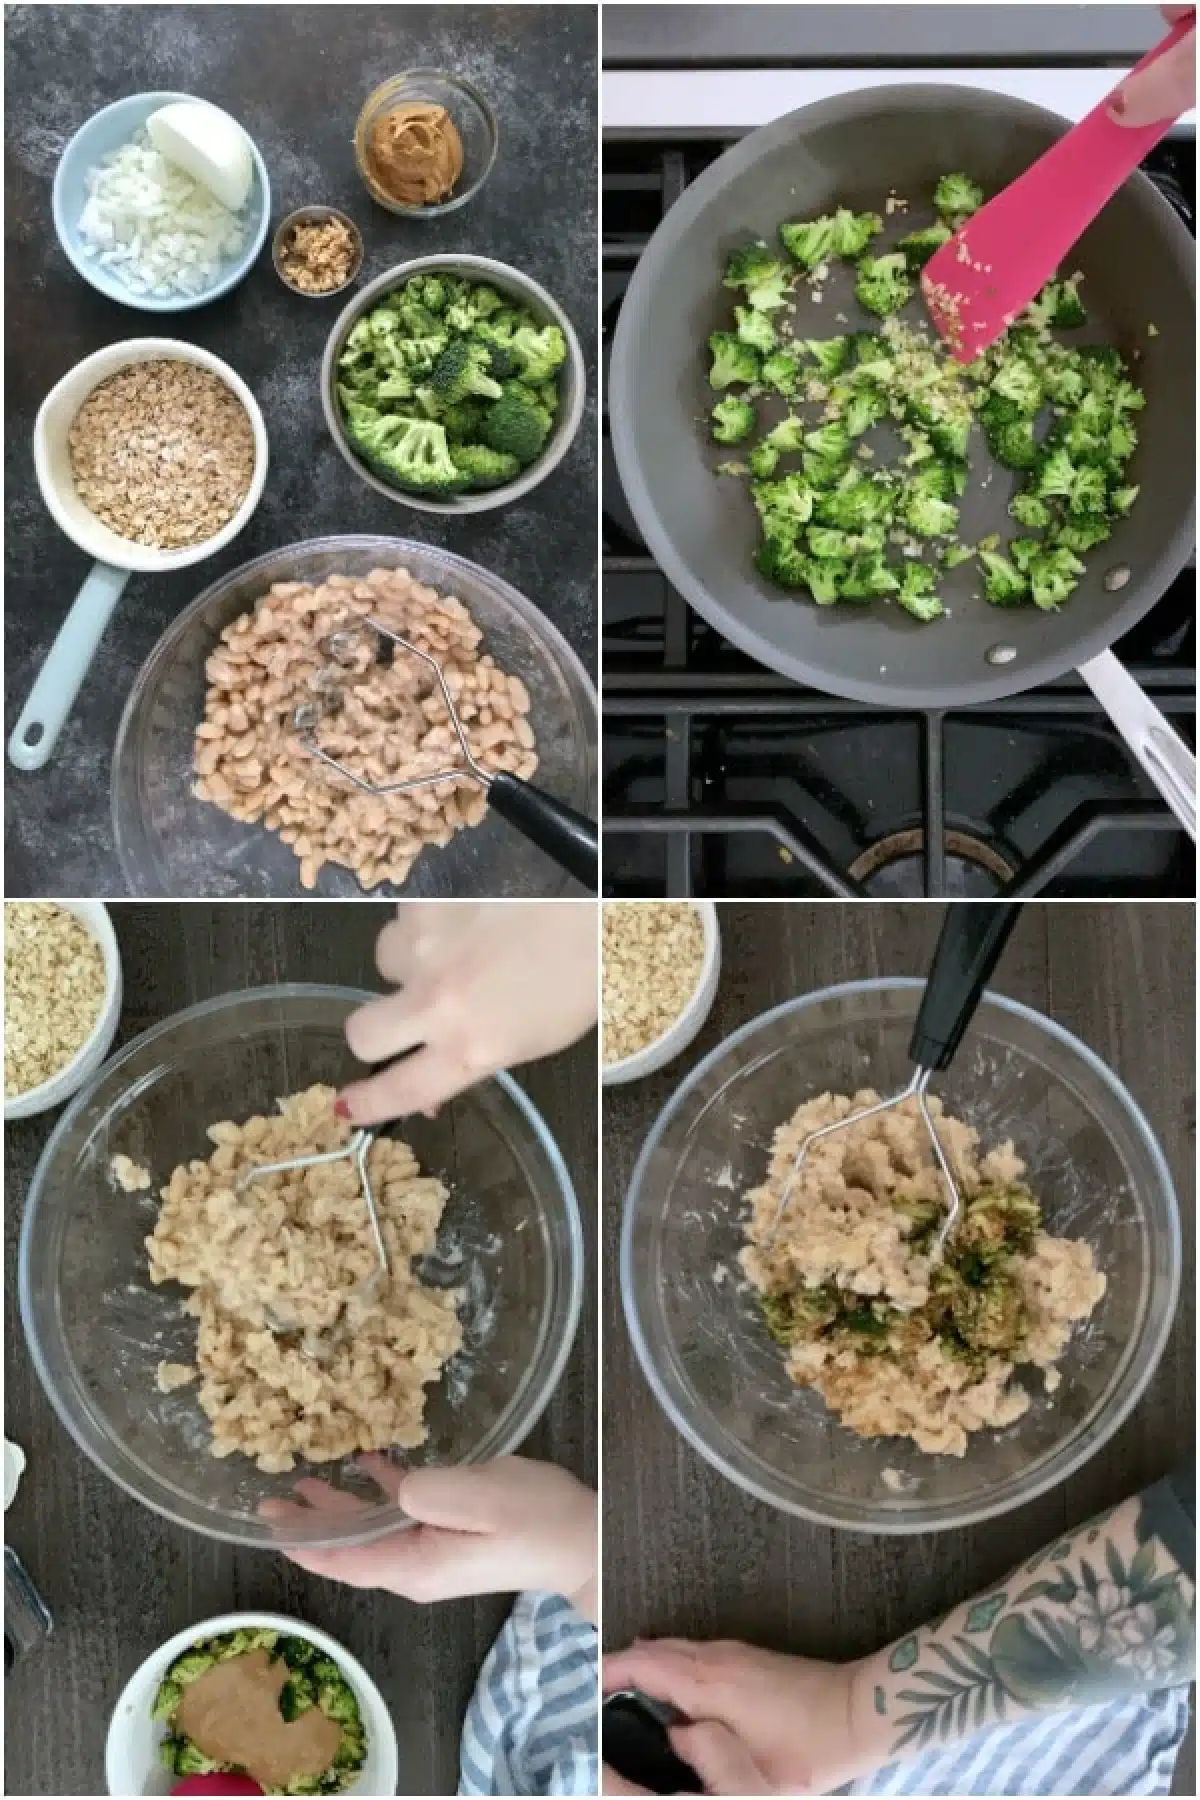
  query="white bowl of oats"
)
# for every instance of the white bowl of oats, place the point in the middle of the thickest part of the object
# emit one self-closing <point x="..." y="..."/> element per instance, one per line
<point x="150" y="454"/>
<point x="661" y="965"/>
<point x="62" y="1000"/>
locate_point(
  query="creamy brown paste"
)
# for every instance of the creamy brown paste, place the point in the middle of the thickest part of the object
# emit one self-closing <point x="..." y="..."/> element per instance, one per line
<point x="232" y="1713"/>
<point x="415" y="153"/>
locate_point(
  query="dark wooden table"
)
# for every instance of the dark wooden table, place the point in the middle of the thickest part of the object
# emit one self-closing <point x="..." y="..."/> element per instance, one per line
<point x="687" y="1552"/>
<point x="118" y="1579"/>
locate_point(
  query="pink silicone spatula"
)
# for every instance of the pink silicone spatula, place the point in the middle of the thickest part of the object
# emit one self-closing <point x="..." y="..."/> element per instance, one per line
<point x="997" y="262"/>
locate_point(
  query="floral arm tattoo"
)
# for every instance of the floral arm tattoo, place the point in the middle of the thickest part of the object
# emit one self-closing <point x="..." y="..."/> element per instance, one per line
<point x="1106" y="1612"/>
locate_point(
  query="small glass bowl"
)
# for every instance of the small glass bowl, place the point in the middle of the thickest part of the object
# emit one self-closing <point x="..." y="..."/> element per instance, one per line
<point x="470" y="112"/>
<point x="316" y="215"/>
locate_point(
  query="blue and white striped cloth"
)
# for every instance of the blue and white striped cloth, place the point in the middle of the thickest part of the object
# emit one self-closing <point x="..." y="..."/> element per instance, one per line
<point x="532" y="1725"/>
<point x="1124" y="1747"/>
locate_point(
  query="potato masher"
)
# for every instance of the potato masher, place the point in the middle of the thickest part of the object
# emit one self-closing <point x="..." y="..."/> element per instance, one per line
<point x="355" y="1150"/>
<point x="558" y="830"/>
<point x="974" y="932"/>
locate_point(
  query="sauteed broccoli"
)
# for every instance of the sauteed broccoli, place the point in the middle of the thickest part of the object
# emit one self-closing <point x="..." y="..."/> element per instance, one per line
<point x="447" y="385"/>
<point x="844" y="517"/>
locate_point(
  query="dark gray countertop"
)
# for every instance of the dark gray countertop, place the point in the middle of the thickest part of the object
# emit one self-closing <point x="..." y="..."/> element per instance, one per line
<point x="686" y="1552"/>
<point x="721" y="36"/>
<point x="120" y="1580"/>
<point x="295" y="78"/>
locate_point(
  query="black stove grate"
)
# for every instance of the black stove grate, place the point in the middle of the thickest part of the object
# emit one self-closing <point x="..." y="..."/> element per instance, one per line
<point x="721" y="778"/>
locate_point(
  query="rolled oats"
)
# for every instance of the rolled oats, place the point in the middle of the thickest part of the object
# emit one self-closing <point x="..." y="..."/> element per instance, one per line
<point x="653" y="958"/>
<point x="162" y="453"/>
<point x="390" y="723"/>
<point x="293" y="1361"/>
<point x="54" y="990"/>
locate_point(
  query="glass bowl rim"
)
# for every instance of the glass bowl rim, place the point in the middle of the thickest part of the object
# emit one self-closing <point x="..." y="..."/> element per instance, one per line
<point x="964" y="1513"/>
<point x="387" y="87"/>
<point x="539" y="625"/>
<point x="388" y="1518"/>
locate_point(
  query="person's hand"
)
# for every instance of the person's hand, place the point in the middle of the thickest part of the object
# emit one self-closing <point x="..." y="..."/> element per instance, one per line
<point x="1164" y="90"/>
<point x="490" y="1528"/>
<point x="482" y="987"/>
<point x="755" y="1722"/>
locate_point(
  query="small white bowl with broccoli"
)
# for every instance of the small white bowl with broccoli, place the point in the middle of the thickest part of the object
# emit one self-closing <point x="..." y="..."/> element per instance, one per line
<point x="148" y="1752"/>
<point x="453" y="384"/>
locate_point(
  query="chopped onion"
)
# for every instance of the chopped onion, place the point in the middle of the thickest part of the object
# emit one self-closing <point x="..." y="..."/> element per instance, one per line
<point x="160" y="232"/>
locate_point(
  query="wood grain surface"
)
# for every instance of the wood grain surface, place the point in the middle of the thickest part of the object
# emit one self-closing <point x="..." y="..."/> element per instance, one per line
<point x="687" y="1552"/>
<point x="118" y="1579"/>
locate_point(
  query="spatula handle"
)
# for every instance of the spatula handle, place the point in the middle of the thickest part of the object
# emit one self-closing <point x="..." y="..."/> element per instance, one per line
<point x="973" y="935"/>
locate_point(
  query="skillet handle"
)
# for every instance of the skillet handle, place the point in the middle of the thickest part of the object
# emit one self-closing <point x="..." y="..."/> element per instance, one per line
<point x="1155" y="742"/>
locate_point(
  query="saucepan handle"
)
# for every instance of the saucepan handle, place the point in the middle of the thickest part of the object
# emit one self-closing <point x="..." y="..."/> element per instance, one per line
<point x="61" y="676"/>
<point x="1155" y="742"/>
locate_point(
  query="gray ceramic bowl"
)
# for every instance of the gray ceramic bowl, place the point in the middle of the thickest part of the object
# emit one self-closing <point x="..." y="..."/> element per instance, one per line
<point x="572" y="377"/>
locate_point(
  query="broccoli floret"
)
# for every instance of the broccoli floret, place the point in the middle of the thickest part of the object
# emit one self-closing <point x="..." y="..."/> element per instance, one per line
<point x="1058" y="304"/>
<point x="782" y="561"/>
<point x="951" y="555"/>
<point x="190" y="1760"/>
<point x="486" y="468"/>
<point x="864" y="408"/>
<point x="1017" y="381"/>
<point x="927" y="516"/>
<point x="1120" y="501"/>
<point x="852" y="231"/>
<point x="732" y="360"/>
<point x="918" y="591"/>
<point x="460" y="371"/>
<point x="782" y="371"/>
<point x="1089" y="491"/>
<point x="809" y="241"/>
<point x="830" y="354"/>
<point x="1083" y="533"/>
<point x="538" y="353"/>
<point x="1126" y="398"/>
<point x="1063" y="383"/>
<point x="517" y="425"/>
<point x="337" y="1702"/>
<point x="463" y="421"/>
<point x="1053" y="576"/>
<point x="939" y="480"/>
<point x="825" y="581"/>
<point x="1029" y="511"/>
<point x="830" y="545"/>
<point x="763" y="460"/>
<point x="801" y="1316"/>
<point x="1003" y="584"/>
<point x="784" y="505"/>
<point x="1056" y="477"/>
<point x="170" y="1693"/>
<point x="1121" y="442"/>
<point x="419" y="458"/>
<point x="733" y="419"/>
<point x="430" y="291"/>
<point x="822" y="471"/>
<point x="465" y="312"/>
<point x="191" y="1665"/>
<point x="956" y="197"/>
<point x="867" y="578"/>
<point x="787" y="436"/>
<point x="919" y="246"/>
<point x="1024" y="552"/>
<point x="950" y="437"/>
<point x="1014" y="444"/>
<point x="851" y="506"/>
<point x="297" y="1696"/>
<point x="830" y="441"/>
<point x="756" y="329"/>
<point x="883" y="285"/>
<point x="417" y="355"/>
<point x="760" y="273"/>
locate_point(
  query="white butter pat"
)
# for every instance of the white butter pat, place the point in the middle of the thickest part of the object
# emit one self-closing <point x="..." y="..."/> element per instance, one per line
<point x="206" y="144"/>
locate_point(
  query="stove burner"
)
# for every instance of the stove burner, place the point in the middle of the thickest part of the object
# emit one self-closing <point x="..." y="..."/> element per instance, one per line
<point x="893" y="869"/>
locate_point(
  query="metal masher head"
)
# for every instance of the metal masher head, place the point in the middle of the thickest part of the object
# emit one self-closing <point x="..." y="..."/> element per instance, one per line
<point x="342" y="647"/>
<point x="355" y="1150"/>
<point x="914" y="1091"/>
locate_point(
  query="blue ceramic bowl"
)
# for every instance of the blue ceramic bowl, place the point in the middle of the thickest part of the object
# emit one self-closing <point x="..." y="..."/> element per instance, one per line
<point x="106" y="131"/>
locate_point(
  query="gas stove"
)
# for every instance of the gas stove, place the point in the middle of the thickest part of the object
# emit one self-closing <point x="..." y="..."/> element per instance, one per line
<point x="721" y="778"/>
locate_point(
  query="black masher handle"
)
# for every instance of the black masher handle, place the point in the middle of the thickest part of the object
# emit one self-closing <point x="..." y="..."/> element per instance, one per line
<point x="974" y="933"/>
<point x="565" y="835"/>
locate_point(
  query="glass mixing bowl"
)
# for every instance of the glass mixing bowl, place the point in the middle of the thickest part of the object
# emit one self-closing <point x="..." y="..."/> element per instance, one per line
<point x="695" y="1322"/>
<point x="171" y="843"/>
<point x="510" y="1238"/>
